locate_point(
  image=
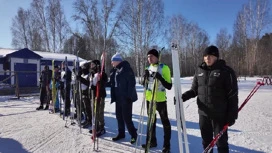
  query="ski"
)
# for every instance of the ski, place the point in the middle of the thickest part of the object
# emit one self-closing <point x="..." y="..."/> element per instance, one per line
<point x="79" y="102"/>
<point x="181" y="126"/>
<point x="141" y="119"/>
<point x="54" y="90"/>
<point x="65" y="92"/>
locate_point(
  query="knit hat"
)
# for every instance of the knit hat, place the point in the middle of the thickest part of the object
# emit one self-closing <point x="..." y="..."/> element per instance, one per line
<point x="153" y="52"/>
<point x="96" y="62"/>
<point x="117" y="57"/>
<point x="211" y="50"/>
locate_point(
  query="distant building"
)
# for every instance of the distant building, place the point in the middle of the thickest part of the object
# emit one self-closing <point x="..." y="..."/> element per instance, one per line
<point x="28" y="64"/>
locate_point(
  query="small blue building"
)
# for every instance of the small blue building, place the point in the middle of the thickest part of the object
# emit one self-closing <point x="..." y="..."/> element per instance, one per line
<point x="28" y="65"/>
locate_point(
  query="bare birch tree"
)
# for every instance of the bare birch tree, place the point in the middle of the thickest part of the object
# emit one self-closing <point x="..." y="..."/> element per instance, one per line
<point x="223" y="42"/>
<point x="140" y="27"/>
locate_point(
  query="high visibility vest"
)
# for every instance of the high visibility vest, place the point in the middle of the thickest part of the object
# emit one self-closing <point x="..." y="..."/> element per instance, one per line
<point x="160" y="93"/>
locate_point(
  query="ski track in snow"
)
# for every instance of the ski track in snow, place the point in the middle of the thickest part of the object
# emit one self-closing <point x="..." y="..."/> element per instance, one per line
<point x="24" y="130"/>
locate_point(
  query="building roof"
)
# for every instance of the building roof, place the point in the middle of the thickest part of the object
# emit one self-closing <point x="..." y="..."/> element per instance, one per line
<point x="22" y="53"/>
<point x="44" y="55"/>
<point x="4" y="52"/>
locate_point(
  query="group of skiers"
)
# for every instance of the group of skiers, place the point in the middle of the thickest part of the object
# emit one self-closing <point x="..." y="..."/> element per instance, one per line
<point x="214" y="84"/>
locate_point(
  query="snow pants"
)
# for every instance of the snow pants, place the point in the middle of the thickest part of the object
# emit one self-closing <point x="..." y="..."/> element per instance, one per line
<point x="161" y="107"/>
<point x="209" y="128"/>
<point x="123" y="110"/>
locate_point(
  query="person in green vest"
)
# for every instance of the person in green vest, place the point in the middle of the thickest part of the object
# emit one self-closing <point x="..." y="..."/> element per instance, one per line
<point x="157" y="70"/>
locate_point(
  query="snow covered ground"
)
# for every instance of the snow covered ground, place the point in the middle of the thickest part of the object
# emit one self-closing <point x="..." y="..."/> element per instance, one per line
<point x="24" y="130"/>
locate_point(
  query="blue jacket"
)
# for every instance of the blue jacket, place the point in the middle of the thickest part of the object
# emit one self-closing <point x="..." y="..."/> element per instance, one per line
<point x="123" y="82"/>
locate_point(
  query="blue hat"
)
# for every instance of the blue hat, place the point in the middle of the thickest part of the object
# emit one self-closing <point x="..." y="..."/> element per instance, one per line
<point x="117" y="57"/>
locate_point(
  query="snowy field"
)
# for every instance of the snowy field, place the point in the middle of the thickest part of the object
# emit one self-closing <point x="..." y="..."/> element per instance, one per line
<point x="24" y="130"/>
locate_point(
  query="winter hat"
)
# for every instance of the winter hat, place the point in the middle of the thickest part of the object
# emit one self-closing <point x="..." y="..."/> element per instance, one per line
<point x="117" y="57"/>
<point x="96" y="62"/>
<point x="153" y="52"/>
<point x="211" y="50"/>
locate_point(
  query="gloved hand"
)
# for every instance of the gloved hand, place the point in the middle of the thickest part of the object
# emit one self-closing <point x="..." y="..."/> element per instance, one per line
<point x="158" y="76"/>
<point x="183" y="98"/>
<point x="146" y="74"/>
<point x="176" y="100"/>
<point x="231" y="119"/>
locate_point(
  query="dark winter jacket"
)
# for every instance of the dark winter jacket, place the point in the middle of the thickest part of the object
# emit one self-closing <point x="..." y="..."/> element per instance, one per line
<point x="216" y="90"/>
<point x="45" y="78"/>
<point x="125" y="81"/>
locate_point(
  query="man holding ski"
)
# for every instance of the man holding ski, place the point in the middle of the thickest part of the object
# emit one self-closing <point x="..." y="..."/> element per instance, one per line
<point x="215" y="85"/>
<point x="97" y="80"/>
<point x="157" y="95"/>
<point x="84" y="78"/>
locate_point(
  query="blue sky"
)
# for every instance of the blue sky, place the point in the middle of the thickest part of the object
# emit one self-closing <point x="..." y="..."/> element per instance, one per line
<point x="210" y="15"/>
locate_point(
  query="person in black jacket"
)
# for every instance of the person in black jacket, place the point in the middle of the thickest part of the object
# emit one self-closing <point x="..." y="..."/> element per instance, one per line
<point x="98" y="81"/>
<point x="45" y="78"/>
<point x="123" y="92"/>
<point x="215" y="85"/>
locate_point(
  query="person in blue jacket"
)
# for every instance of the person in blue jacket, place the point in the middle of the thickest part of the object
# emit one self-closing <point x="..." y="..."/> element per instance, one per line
<point x="123" y="93"/>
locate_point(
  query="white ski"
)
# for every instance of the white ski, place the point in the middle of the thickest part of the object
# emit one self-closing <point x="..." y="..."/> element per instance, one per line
<point x="179" y="103"/>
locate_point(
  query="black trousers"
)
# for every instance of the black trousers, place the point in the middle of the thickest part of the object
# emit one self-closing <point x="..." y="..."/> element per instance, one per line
<point x="44" y="97"/>
<point x="87" y="107"/>
<point x="161" y="107"/>
<point x="123" y="110"/>
<point x="65" y="94"/>
<point x="211" y="127"/>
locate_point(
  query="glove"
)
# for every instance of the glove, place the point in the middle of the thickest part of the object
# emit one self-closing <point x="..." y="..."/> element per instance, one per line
<point x="158" y="76"/>
<point x="231" y="119"/>
<point x="183" y="98"/>
<point x="176" y="100"/>
<point x="146" y="75"/>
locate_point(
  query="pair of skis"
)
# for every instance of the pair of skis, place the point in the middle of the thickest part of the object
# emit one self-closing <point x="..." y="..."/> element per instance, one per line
<point x="181" y="126"/>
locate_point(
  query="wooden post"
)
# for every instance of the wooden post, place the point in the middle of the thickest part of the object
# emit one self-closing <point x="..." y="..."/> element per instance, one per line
<point x="17" y="86"/>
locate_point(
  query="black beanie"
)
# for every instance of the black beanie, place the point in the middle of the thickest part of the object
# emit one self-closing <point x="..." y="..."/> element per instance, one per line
<point x="96" y="62"/>
<point x="153" y="52"/>
<point x="211" y="50"/>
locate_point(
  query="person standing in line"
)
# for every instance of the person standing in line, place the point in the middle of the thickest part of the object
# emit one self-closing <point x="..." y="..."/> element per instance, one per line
<point x="215" y="85"/>
<point x="123" y="93"/>
<point x="84" y="76"/>
<point x="45" y="78"/>
<point x="95" y="68"/>
<point x="162" y="73"/>
<point x="66" y="77"/>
